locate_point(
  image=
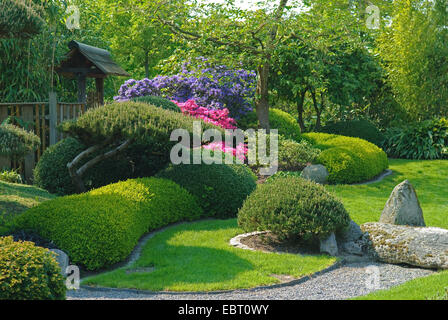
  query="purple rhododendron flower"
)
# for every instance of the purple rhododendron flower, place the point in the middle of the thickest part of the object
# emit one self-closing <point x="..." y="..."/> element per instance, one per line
<point x="214" y="87"/>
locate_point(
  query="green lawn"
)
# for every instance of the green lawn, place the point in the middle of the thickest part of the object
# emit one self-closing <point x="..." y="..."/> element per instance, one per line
<point x="434" y="287"/>
<point x="430" y="179"/>
<point x="198" y="257"/>
<point x="365" y="203"/>
<point x="15" y="198"/>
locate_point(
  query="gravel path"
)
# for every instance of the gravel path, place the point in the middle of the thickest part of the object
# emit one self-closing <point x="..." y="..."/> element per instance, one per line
<point x="347" y="281"/>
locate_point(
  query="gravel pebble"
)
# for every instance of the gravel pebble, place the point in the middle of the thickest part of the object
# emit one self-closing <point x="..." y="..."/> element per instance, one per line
<point x="348" y="281"/>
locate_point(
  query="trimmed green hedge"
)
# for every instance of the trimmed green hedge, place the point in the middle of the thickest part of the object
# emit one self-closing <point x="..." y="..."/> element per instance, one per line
<point x="219" y="188"/>
<point x="282" y="121"/>
<point x="158" y="102"/>
<point x="101" y="227"/>
<point x="51" y="171"/>
<point x="293" y="208"/>
<point x="362" y="129"/>
<point x="348" y="160"/>
<point x="28" y="272"/>
<point x="141" y="122"/>
<point x="294" y="156"/>
<point x="150" y="128"/>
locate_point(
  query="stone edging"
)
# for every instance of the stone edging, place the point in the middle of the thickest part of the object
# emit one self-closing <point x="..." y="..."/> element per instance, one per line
<point x="379" y="178"/>
<point x="235" y="242"/>
<point x="294" y="282"/>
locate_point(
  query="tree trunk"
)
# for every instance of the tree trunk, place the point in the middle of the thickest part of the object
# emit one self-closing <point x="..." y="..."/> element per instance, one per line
<point x="77" y="174"/>
<point x="300" y="103"/>
<point x="262" y="98"/>
<point x="317" y="109"/>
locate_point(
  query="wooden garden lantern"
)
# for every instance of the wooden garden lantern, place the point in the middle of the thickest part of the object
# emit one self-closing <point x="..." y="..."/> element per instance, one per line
<point x="84" y="61"/>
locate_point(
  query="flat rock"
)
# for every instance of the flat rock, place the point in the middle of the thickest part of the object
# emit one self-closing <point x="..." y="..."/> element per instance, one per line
<point x="422" y="247"/>
<point x="403" y="207"/>
<point x="317" y="173"/>
<point x="329" y="245"/>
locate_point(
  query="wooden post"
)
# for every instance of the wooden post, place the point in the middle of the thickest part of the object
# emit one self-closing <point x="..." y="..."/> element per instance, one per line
<point x="53" y="101"/>
<point x="100" y="90"/>
<point x="82" y="84"/>
<point x="28" y="116"/>
<point x="4" y="162"/>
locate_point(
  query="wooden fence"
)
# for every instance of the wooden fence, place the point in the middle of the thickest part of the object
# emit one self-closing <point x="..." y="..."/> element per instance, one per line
<point x="42" y="118"/>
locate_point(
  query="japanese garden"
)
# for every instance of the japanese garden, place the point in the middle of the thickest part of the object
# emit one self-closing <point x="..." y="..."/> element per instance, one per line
<point x="221" y="149"/>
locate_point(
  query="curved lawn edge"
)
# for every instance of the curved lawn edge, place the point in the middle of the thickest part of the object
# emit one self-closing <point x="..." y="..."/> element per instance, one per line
<point x="95" y="285"/>
<point x="294" y="282"/>
<point x="379" y="178"/>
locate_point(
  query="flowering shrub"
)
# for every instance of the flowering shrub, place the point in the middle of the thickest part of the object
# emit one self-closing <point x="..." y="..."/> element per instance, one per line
<point x="218" y="117"/>
<point x="216" y="87"/>
<point x="239" y="152"/>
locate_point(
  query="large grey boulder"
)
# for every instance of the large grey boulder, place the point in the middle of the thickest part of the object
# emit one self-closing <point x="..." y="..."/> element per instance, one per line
<point x="403" y="207"/>
<point x="317" y="173"/>
<point x="329" y="245"/>
<point x="422" y="247"/>
<point x="62" y="259"/>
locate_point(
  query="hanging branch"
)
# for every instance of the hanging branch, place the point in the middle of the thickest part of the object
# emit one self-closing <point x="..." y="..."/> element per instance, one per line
<point x="77" y="174"/>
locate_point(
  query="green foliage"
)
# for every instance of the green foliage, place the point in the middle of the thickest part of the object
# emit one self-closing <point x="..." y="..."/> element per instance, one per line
<point x="285" y="123"/>
<point x="28" y="272"/>
<point x="362" y="128"/>
<point x="423" y="140"/>
<point x="219" y="188"/>
<point x="293" y="208"/>
<point x="158" y="102"/>
<point x="197" y="257"/>
<point x="131" y="120"/>
<point x="19" y="19"/>
<point x="347" y="159"/>
<point x="101" y="227"/>
<point x="51" y="171"/>
<point x="414" y="54"/>
<point x="10" y="176"/>
<point x="16" y="143"/>
<point x="294" y="156"/>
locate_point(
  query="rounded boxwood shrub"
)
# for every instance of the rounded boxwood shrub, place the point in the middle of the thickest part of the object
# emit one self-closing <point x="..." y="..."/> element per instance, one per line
<point x="294" y="209"/>
<point x="16" y="143"/>
<point x="347" y="159"/>
<point x="51" y="171"/>
<point x="158" y="102"/>
<point x="219" y="188"/>
<point x="101" y="227"/>
<point x="282" y="121"/>
<point x="294" y="156"/>
<point x="363" y="129"/>
<point x="28" y="272"/>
